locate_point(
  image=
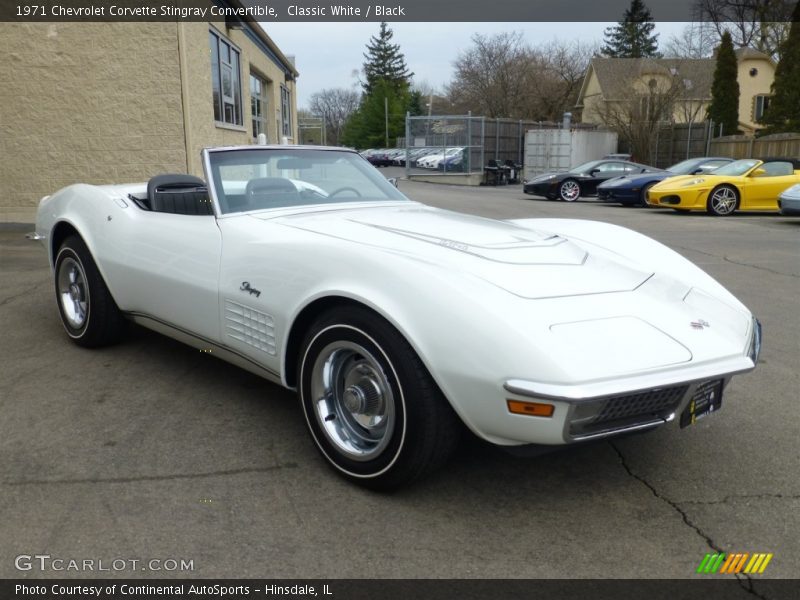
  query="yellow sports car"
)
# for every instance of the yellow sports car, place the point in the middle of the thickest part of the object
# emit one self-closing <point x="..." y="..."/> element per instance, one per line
<point x="747" y="185"/>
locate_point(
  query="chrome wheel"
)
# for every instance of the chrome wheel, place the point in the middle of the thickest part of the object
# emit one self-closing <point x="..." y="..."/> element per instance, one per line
<point x="371" y="406"/>
<point x="570" y="190"/>
<point x="723" y="201"/>
<point x="89" y="314"/>
<point x="73" y="292"/>
<point x="352" y="399"/>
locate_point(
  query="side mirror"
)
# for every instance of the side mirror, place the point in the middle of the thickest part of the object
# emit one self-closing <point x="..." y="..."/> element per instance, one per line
<point x="393" y="181"/>
<point x="594" y="172"/>
<point x="758" y="173"/>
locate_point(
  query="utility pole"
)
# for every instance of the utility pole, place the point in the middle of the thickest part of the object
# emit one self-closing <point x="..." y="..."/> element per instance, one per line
<point x="386" y="116"/>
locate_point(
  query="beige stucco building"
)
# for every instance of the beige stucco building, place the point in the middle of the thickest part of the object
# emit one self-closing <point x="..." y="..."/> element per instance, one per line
<point x="613" y="82"/>
<point x="121" y="102"/>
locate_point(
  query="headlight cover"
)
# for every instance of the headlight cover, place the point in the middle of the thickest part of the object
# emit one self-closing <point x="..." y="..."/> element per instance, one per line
<point x="695" y="181"/>
<point x="541" y="178"/>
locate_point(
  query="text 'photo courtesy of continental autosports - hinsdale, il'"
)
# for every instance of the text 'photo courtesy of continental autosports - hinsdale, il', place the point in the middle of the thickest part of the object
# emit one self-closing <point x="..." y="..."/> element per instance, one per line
<point x="401" y="325"/>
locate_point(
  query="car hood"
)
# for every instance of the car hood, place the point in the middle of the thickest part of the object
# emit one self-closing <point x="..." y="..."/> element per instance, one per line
<point x="524" y="262"/>
<point x="708" y="180"/>
<point x="554" y="175"/>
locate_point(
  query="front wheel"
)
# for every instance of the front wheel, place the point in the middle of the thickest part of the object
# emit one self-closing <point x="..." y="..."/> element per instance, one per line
<point x="569" y="190"/>
<point x="723" y="201"/>
<point x="88" y="311"/>
<point x="643" y="195"/>
<point x="371" y="406"/>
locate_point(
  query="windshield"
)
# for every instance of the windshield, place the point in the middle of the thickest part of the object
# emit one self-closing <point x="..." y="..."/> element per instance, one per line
<point x="585" y="167"/>
<point x="259" y="179"/>
<point x="737" y="167"/>
<point x="685" y="167"/>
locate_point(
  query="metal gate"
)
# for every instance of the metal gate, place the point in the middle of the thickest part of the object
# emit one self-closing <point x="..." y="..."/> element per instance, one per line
<point x="547" y="150"/>
<point x="557" y="150"/>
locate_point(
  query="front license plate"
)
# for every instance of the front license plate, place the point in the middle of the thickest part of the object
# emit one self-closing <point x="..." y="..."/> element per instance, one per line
<point x="706" y="400"/>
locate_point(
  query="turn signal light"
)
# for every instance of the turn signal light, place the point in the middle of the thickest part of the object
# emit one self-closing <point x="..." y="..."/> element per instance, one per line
<point x="533" y="409"/>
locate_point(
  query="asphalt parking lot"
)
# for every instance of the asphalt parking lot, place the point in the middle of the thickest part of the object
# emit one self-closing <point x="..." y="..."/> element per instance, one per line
<point x="150" y="449"/>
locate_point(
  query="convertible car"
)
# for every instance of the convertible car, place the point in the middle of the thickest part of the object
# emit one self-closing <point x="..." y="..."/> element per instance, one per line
<point x="398" y="324"/>
<point x="581" y="180"/>
<point x="743" y="185"/>
<point x="632" y="189"/>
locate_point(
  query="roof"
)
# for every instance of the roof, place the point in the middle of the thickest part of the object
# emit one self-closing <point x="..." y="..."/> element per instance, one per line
<point x="254" y="30"/>
<point x="276" y="147"/>
<point x="742" y="53"/>
<point x="617" y="75"/>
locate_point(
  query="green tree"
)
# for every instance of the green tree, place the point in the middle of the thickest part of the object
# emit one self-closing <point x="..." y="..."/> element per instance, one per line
<point x="416" y="103"/>
<point x="783" y="113"/>
<point x="724" y="107"/>
<point x="367" y="127"/>
<point x="633" y="36"/>
<point x="385" y="61"/>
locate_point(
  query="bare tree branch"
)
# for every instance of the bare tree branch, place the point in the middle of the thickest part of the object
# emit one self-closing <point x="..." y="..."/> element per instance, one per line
<point x="638" y="118"/>
<point x="502" y="76"/>
<point x="758" y="24"/>
<point x="334" y="105"/>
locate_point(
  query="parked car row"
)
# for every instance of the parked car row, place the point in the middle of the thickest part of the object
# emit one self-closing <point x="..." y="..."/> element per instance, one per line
<point x="382" y="157"/>
<point x="583" y="179"/>
<point x="632" y="189"/>
<point x="443" y="159"/>
<point x="742" y="185"/>
<point x="717" y="185"/>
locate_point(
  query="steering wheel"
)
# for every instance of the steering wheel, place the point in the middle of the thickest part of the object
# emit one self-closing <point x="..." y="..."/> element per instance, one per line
<point x="344" y="189"/>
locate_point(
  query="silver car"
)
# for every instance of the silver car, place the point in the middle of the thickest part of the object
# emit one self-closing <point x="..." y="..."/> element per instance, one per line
<point x="789" y="201"/>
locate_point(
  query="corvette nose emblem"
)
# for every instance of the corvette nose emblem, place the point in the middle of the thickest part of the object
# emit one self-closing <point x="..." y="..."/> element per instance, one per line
<point x="700" y="324"/>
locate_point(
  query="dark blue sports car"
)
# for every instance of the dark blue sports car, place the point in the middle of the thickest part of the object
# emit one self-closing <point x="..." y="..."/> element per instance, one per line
<point x="631" y="189"/>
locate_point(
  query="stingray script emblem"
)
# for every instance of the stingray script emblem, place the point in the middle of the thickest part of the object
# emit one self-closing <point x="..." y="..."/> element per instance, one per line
<point x="246" y="288"/>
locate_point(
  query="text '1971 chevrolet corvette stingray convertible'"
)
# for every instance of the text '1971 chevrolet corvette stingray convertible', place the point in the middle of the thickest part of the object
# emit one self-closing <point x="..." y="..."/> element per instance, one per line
<point x="398" y="323"/>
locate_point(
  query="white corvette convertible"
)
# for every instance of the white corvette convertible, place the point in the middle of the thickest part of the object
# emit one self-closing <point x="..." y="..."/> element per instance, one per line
<point x="397" y="322"/>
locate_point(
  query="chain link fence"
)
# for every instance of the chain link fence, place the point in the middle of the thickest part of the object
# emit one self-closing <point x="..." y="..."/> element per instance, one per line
<point x="463" y="144"/>
<point x="312" y="131"/>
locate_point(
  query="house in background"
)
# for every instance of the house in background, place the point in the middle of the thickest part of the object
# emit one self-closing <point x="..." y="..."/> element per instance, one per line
<point x="121" y="102"/>
<point x="613" y="82"/>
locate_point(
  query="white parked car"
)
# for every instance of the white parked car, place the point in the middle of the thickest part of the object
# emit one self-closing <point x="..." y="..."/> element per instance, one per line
<point x="398" y="323"/>
<point x="432" y="161"/>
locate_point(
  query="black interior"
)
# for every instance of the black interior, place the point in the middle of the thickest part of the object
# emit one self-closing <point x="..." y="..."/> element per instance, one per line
<point x="178" y="195"/>
<point x="270" y="192"/>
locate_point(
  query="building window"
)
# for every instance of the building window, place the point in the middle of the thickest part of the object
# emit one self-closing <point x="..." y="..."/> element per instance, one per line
<point x="760" y="106"/>
<point x="286" y="112"/>
<point x="226" y="86"/>
<point x="258" y="105"/>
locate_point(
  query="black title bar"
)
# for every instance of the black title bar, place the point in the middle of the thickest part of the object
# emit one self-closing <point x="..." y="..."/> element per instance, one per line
<point x="354" y="10"/>
<point x="702" y="587"/>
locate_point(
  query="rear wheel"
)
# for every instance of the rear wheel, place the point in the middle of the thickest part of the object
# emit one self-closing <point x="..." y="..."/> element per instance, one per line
<point x="89" y="314"/>
<point x="723" y="201"/>
<point x="371" y="406"/>
<point x="569" y="190"/>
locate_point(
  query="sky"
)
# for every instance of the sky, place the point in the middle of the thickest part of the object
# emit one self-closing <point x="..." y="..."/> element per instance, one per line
<point x="330" y="55"/>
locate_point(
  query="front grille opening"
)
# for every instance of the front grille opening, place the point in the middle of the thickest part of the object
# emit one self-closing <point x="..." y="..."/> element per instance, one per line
<point x="623" y="411"/>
